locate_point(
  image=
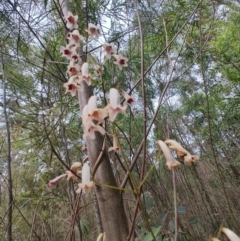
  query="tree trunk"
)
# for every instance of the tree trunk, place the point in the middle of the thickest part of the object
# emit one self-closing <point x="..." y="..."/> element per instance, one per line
<point x="114" y="220"/>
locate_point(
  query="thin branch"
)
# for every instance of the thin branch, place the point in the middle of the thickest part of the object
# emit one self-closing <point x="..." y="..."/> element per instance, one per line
<point x="144" y="129"/>
<point x="9" y="158"/>
<point x="24" y="218"/>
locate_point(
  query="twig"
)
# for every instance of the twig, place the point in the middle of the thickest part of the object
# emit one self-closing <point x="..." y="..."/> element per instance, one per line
<point x="175" y="205"/>
<point x="99" y="159"/>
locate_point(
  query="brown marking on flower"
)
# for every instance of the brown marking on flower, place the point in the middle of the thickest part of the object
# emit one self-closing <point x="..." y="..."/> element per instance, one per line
<point x="71" y="19"/>
<point x="122" y="61"/>
<point x="108" y="48"/>
<point x="67" y="52"/>
<point x="92" y="30"/>
<point x="73" y="71"/>
<point x="71" y="87"/>
<point x="84" y="149"/>
<point x="75" y="57"/>
<point x="75" y="37"/>
<point x="181" y="153"/>
<point x="130" y="101"/>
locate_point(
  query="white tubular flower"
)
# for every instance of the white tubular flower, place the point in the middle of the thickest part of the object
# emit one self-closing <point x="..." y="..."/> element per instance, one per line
<point x="101" y="237"/>
<point x="85" y="173"/>
<point x="75" y="53"/>
<point x="128" y="99"/>
<point x="181" y="152"/>
<point x="92" y="103"/>
<point x="73" y="68"/>
<point x="86" y="184"/>
<point x="114" y="106"/>
<point x="120" y="61"/>
<point x="176" y="146"/>
<point x="114" y="98"/>
<point x="85" y="115"/>
<point x="115" y="147"/>
<point x="98" y="114"/>
<point x="230" y="234"/>
<point x="89" y="126"/>
<point x="66" y="51"/>
<point x="75" y="166"/>
<point x="56" y="180"/>
<point x="85" y="74"/>
<point x="75" y="38"/>
<point x="109" y="49"/>
<point x="74" y="170"/>
<point x="171" y="162"/>
<point x="95" y="113"/>
<point x="69" y="174"/>
<point x="189" y="159"/>
<point x="72" y="85"/>
<point x="215" y="239"/>
<point x="89" y="130"/>
<point x="70" y="52"/>
<point x="93" y="31"/>
<point x="71" y="20"/>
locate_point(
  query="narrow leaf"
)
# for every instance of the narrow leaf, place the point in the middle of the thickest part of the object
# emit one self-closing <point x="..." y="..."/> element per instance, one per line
<point x="155" y="231"/>
<point x="45" y="3"/>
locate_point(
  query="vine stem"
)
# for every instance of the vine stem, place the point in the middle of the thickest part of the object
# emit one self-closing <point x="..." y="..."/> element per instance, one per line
<point x="168" y="137"/>
<point x="138" y="202"/>
<point x="175" y="204"/>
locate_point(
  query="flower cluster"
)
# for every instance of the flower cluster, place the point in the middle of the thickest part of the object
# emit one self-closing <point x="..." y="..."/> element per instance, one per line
<point x="77" y="70"/>
<point x="181" y="152"/>
<point x="93" y="117"/>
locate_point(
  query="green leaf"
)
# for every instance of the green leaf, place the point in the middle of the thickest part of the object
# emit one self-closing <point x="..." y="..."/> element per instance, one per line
<point x="181" y="210"/>
<point x="193" y="220"/>
<point x="45" y="3"/>
<point x="162" y="218"/>
<point x="147" y="200"/>
<point x="171" y="225"/>
<point x="155" y="231"/>
<point x="84" y="227"/>
<point x="181" y="3"/>
<point x="181" y="237"/>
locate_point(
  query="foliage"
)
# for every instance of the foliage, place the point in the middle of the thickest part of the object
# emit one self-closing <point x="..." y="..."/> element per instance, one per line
<point x="192" y="48"/>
